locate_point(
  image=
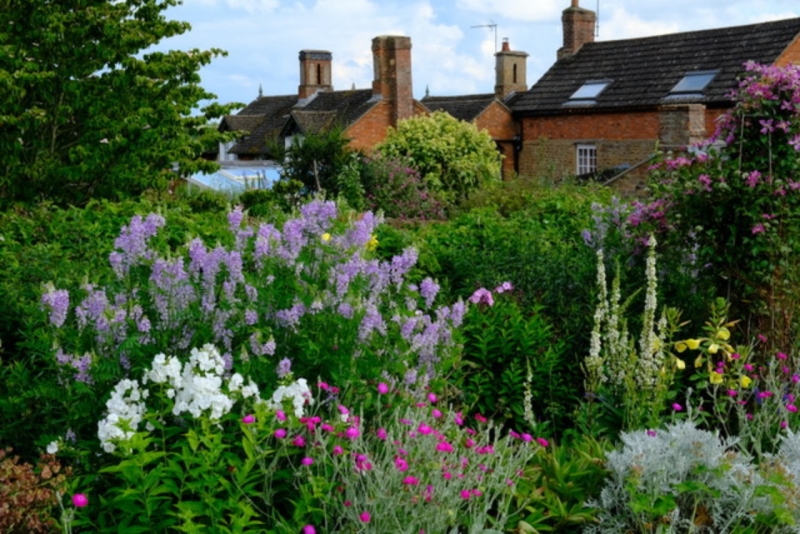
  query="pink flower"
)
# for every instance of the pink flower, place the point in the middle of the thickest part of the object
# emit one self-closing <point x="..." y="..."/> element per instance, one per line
<point x="436" y="414"/>
<point x="781" y="356"/>
<point x="348" y="504"/>
<point x="365" y="517"/>
<point x="432" y="398"/>
<point x="80" y="500"/>
<point x="381" y="433"/>
<point x="299" y="441"/>
<point x="383" y="389"/>
<point x="411" y="481"/>
<point x="527" y="438"/>
<point x="280" y="433"/>
<point x="469" y="443"/>
<point x="308" y="529"/>
<point x="343" y="410"/>
<point x="249" y="419"/>
<point x="482" y="296"/>
<point x="465" y="494"/>
<point x="758" y="229"/>
<point x="677" y="407"/>
<point x="749" y="417"/>
<point x="784" y="424"/>
<point x="791" y="407"/>
<point x="326" y="427"/>
<point x="281" y="417"/>
<point x="401" y="464"/>
<point x="748" y="367"/>
<point x="458" y="418"/>
<point x="337" y="450"/>
<point x="351" y="433"/>
<point x="651" y="433"/>
<point x="424" y="429"/>
<point x="476" y="492"/>
<point x="480" y="418"/>
<point x="762" y="338"/>
<point x="323" y="386"/>
<point x="443" y="446"/>
<point x="732" y="392"/>
<point x="543" y="442"/>
<point x="307" y="461"/>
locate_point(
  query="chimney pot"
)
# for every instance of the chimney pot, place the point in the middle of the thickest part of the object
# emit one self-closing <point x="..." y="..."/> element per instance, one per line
<point x="506" y="47"/>
<point x="575" y="3"/>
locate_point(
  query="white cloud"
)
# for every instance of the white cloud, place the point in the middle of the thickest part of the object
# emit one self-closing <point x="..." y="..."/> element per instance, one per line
<point x="624" y="25"/>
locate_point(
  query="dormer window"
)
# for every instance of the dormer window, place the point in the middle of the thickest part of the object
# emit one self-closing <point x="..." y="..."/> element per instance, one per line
<point x="692" y="84"/>
<point x="587" y="93"/>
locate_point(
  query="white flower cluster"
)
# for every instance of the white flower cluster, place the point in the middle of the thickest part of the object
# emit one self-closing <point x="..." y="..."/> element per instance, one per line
<point x="125" y="411"/>
<point x="297" y="392"/>
<point x="196" y="387"/>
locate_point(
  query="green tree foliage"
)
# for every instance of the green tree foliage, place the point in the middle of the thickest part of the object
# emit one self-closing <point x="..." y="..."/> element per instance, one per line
<point x="317" y="160"/>
<point x="88" y="108"/>
<point x="453" y="156"/>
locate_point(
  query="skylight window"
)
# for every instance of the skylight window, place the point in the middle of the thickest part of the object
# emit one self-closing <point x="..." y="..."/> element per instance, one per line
<point x="694" y="83"/>
<point x="590" y="90"/>
<point x="587" y="93"/>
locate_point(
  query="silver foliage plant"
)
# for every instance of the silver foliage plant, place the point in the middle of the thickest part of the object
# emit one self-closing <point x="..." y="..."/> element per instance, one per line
<point x="685" y="479"/>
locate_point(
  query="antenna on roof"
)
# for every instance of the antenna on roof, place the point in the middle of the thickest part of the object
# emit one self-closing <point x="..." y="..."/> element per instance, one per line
<point x="493" y="26"/>
<point x="260" y="91"/>
<point x="597" y="19"/>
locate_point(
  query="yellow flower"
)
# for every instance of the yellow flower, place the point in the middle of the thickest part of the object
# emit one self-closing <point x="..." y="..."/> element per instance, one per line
<point x="724" y="334"/>
<point x="693" y="343"/>
<point x="680" y="364"/>
<point x="680" y="346"/>
<point x="699" y="361"/>
<point x="326" y="237"/>
<point x="745" y="381"/>
<point x="372" y="244"/>
<point x="715" y="378"/>
<point x="713" y="348"/>
<point x="728" y="348"/>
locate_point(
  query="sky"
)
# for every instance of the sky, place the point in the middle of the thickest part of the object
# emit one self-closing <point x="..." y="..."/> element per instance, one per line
<point x="453" y="41"/>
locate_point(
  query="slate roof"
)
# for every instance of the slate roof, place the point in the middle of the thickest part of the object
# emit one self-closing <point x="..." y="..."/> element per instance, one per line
<point x="268" y="118"/>
<point x="643" y="71"/>
<point x="328" y="109"/>
<point x="465" y="108"/>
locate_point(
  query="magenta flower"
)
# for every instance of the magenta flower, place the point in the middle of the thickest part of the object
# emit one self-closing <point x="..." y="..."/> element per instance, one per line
<point x="543" y="442"/>
<point x="80" y="500"/>
<point x="351" y="433"/>
<point x="324" y="386"/>
<point x="280" y="433"/>
<point x="436" y="414"/>
<point x="337" y="450"/>
<point x="528" y="438"/>
<point x="383" y="389"/>
<point x="381" y="433"/>
<point x="307" y="461"/>
<point x="480" y="418"/>
<point x="401" y="464"/>
<point x="432" y="398"/>
<point x="309" y="529"/>
<point x="249" y="419"/>
<point x="465" y="494"/>
<point x="281" y="415"/>
<point x="326" y="427"/>
<point x="299" y="441"/>
<point x="443" y="446"/>
<point x="784" y="424"/>
<point x="343" y="410"/>
<point x="677" y="407"/>
<point x="411" y="481"/>
<point x="424" y="429"/>
<point x="732" y="392"/>
<point x="791" y="407"/>
<point x="651" y="433"/>
<point x="365" y="517"/>
<point x="781" y="356"/>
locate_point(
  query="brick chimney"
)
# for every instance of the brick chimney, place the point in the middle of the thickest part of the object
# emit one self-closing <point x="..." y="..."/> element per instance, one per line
<point x="315" y="72"/>
<point x="578" y="25"/>
<point x="510" y="71"/>
<point x="391" y="56"/>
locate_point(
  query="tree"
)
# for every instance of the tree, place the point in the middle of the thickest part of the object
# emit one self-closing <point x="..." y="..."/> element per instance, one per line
<point x="317" y="160"/>
<point x="88" y="109"/>
<point x="453" y="156"/>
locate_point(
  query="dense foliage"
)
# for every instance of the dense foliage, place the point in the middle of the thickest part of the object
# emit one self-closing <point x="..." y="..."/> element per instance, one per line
<point x="454" y="157"/>
<point x="89" y="108"/>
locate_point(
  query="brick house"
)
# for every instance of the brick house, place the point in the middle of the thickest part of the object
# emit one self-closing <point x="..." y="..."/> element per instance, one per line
<point x="610" y="104"/>
<point x="363" y="114"/>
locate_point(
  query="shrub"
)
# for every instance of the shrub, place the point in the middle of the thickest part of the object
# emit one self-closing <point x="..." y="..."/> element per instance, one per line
<point x="453" y="157"/>
<point x="393" y="187"/>
<point x="28" y="494"/>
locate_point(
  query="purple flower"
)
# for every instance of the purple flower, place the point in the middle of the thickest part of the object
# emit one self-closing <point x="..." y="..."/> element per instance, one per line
<point x="57" y="301"/>
<point x="284" y="367"/>
<point x="428" y="289"/>
<point x="482" y="296"/>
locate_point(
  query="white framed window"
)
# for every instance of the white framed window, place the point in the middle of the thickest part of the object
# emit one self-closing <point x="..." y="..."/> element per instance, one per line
<point x="586" y="157"/>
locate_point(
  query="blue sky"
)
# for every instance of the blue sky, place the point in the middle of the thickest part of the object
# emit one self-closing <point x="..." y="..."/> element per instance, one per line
<point x="449" y="56"/>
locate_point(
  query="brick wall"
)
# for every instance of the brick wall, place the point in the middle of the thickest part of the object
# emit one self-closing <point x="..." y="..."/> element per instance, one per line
<point x="791" y="55"/>
<point x="370" y="129"/>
